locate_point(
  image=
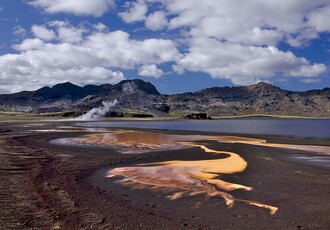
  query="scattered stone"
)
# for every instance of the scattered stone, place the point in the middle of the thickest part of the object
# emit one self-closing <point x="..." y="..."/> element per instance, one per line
<point x="197" y="116"/>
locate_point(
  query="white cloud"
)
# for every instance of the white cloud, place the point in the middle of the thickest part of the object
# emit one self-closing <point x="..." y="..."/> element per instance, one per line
<point x="235" y="40"/>
<point x="302" y="38"/>
<point x="243" y="64"/>
<point x="254" y="22"/>
<point x="100" y="27"/>
<point x="240" y="43"/>
<point x="77" y="7"/>
<point x="49" y="65"/>
<point x="311" y="80"/>
<point x="320" y="19"/>
<point x="30" y="44"/>
<point x="71" y="35"/>
<point x="19" y="31"/>
<point x="117" y="49"/>
<point x="156" y="20"/>
<point x="42" y="32"/>
<point x="151" y="71"/>
<point x="98" y="58"/>
<point x="308" y="70"/>
<point x="136" y="12"/>
<point x="58" y="23"/>
<point x="68" y="33"/>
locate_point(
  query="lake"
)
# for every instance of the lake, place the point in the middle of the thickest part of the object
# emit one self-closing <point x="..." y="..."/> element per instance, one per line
<point x="317" y="128"/>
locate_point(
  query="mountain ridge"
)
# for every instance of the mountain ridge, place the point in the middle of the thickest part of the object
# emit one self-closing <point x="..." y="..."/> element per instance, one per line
<point x="140" y="96"/>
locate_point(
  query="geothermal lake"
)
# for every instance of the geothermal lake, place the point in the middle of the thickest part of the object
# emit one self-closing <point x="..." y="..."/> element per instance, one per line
<point x="317" y="128"/>
<point x="187" y="176"/>
<point x="185" y="168"/>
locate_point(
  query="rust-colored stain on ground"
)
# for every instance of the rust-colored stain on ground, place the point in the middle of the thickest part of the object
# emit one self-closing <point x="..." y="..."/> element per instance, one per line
<point x="260" y="142"/>
<point x="136" y="142"/>
<point x="184" y="178"/>
<point x="189" y="178"/>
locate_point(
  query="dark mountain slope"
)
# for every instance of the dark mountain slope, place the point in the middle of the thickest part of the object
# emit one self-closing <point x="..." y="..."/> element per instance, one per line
<point x="261" y="98"/>
<point x="140" y="96"/>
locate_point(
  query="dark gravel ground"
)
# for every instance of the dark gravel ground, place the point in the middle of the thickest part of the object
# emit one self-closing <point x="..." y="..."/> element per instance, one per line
<point x="44" y="186"/>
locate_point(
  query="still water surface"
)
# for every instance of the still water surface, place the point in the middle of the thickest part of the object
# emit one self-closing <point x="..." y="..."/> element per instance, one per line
<point x="319" y="128"/>
<point x="181" y="178"/>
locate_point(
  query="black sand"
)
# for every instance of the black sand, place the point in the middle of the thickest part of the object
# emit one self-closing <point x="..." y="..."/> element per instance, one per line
<point x="45" y="186"/>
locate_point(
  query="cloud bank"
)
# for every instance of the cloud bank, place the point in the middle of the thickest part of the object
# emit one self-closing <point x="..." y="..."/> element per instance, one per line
<point x="78" y="55"/>
<point x="237" y="40"/>
<point x="234" y="40"/>
<point x="77" y="7"/>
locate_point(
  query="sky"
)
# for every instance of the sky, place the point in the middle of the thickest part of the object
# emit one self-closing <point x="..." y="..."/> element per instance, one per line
<point x="178" y="45"/>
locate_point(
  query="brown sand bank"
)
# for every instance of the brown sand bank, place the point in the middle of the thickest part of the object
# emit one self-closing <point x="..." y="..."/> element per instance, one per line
<point x="49" y="186"/>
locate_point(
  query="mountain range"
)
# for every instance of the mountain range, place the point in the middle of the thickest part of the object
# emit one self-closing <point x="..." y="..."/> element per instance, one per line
<point x="137" y="96"/>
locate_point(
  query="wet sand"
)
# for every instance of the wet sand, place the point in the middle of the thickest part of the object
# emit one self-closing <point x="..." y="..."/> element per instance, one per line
<point x="50" y="186"/>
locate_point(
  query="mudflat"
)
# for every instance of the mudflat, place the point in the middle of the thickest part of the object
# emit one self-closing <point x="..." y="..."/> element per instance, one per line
<point x="49" y="186"/>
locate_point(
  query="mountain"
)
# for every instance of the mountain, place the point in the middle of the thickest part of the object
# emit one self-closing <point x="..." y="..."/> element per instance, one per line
<point x="138" y="96"/>
<point x="261" y="98"/>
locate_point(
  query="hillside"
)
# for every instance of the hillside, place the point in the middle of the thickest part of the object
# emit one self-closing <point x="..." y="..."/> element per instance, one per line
<point x="143" y="97"/>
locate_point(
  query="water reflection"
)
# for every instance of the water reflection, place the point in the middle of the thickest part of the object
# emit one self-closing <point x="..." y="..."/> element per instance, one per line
<point x="260" y="142"/>
<point x="136" y="142"/>
<point x="190" y="178"/>
<point x="180" y="178"/>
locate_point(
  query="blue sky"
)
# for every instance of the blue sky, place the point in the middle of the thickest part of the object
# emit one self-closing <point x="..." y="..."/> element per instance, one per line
<point x="179" y="46"/>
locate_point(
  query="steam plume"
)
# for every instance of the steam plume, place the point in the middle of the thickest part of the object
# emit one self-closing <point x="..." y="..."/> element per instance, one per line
<point x="129" y="88"/>
<point x="98" y="112"/>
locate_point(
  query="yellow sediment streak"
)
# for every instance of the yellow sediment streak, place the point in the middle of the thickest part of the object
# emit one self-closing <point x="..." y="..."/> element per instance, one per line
<point x="188" y="178"/>
<point x="185" y="178"/>
<point x="272" y="209"/>
<point x="260" y="142"/>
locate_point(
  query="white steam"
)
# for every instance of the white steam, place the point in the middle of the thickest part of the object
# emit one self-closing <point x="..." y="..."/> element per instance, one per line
<point x="129" y="88"/>
<point x="98" y="112"/>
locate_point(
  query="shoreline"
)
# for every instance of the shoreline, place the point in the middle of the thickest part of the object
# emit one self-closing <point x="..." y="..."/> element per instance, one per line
<point x="64" y="187"/>
<point x="29" y="116"/>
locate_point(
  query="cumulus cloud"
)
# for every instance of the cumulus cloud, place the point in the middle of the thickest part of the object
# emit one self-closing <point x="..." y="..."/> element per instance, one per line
<point x="49" y="65"/>
<point x="255" y="22"/>
<point x="98" y="58"/>
<point x="156" y="20"/>
<point x="70" y="34"/>
<point x="243" y="64"/>
<point x="311" y="80"/>
<point x="29" y="44"/>
<point x="217" y="37"/>
<point x="119" y="50"/>
<point x="319" y="19"/>
<point x="151" y="71"/>
<point x="19" y="31"/>
<point x="100" y="27"/>
<point x="43" y="33"/>
<point x="308" y="70"/>
<point x="77" y="7"/>
<point x="136" y="12"/>
<point x="62" y="31"/>
<point x="240" y="43"/>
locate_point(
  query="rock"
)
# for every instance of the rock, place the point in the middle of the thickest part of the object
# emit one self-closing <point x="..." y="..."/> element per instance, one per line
<point x="197" y="116"/>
